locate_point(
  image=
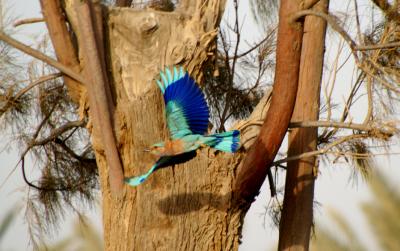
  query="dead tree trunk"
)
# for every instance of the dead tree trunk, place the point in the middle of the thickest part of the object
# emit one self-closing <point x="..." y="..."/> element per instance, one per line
<point x="297" y="214"/>
<point x="184" y="207"/>
<point x="189" y="206"/>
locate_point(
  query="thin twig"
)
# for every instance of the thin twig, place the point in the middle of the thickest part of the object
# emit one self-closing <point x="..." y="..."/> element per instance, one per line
<point x="320" y="151"/>
<point x="12" y="99"/>
<point x="29" y="21"/>
<point x="270" y="34"/>
<point x="38" y="81"/>
<point x="353" y="126"/>
<point x="37" y="54"/>
<point x="377" y="46"/>
<point x="48" y="189"/>
<point x="361" y="155"/>
<point x="331" y="20"/>
<point x="57" y="132"/>
<point x="387" y="130"/>
<point x="360" y="39"/>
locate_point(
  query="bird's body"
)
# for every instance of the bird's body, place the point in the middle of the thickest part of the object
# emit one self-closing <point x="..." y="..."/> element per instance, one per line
<point x="191" y="142"/>
<point x="187" y="120"/>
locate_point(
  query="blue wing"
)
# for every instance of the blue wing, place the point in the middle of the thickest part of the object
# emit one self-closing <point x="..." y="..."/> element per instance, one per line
<point x="186" y="108"/>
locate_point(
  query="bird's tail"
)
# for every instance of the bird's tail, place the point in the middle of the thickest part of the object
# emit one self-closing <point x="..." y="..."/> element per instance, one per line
<point x="137" y="180"/>
<point x="226" y="141"/>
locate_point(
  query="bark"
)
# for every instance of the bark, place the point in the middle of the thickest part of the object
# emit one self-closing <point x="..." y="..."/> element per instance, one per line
<point x="62" y="43"/>
<point x="123" y="3"/>
<point x="101" y="106"/>
<point x="186" y="206"/>
<point x="257" y="162"/>
<point x="297" y="214"/>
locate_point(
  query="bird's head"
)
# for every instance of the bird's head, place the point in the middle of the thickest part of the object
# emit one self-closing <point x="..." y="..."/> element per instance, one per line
<point x="157" y="149"/>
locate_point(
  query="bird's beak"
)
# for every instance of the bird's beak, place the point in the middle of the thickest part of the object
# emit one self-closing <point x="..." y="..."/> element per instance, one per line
<point x="146" y="150"/>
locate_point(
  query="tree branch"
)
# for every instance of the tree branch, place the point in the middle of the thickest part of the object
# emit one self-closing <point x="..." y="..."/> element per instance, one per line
<point x="320" y="151"/>
<point x="387" y="129"/>
<point x="331" y="20"/>
<point x="101" y="106"/>
<point x="270" y="34"/>
<point x="254" y="168"/>
<point x="57" y="132"/>
<point x="62" y="43"/>
<point x="38" y="81"/>
<point x="353" y="46"/>
<point x="11" y="100"/>
<point x="49" y="189"/>
<point x="29" y="21"/>
<point x="377" y="46"/>
<point x="37" y="54"/>
<point x="297" y="214"/>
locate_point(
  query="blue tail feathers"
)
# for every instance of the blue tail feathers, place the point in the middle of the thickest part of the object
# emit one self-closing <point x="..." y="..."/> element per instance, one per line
<point x="226" y="141"/>
<point x="137" y="180"/>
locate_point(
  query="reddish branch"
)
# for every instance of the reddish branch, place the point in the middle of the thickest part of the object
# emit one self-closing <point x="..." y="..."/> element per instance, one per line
<point x="255" y="166"/>
<point x="62" y="43"/>
<point x="297" y="213"/>
<point x="101" y="106"/>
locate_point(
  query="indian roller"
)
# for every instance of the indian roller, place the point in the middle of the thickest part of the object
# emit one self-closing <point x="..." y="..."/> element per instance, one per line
<point x="187" y="117"/>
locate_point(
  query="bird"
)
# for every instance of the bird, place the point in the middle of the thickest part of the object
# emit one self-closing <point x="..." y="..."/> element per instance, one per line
<point x="187" y="116"/>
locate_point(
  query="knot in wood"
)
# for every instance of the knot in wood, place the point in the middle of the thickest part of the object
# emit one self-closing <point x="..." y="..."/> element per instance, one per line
<point x="148" y="24"/>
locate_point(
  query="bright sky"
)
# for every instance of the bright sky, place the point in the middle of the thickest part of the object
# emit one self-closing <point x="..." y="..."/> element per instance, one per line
<point x="333" y="187"/>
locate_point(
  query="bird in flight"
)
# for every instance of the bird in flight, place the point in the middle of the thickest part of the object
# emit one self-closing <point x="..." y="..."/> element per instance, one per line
<point x="187" y="117"/>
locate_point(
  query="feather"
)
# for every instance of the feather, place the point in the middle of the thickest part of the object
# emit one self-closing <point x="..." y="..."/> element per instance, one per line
<point x="186" y="109"/>
<point x="226" y="141"/>
<point x="137" y="180"/>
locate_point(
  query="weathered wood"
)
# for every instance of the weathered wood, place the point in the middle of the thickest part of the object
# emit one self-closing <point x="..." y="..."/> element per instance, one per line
<point x="254" y="168"/>
<point x="185" y="207"/>
<point x="297" y="214"/>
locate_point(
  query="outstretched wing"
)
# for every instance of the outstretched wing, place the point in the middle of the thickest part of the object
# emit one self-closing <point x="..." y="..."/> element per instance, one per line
<point x="185" y="107"/>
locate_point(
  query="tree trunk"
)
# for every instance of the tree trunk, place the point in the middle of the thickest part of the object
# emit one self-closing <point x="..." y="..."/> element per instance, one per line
<point x="297" y="214"/>
<point x="182" y="207"/>
<point x="261" y="154"/>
